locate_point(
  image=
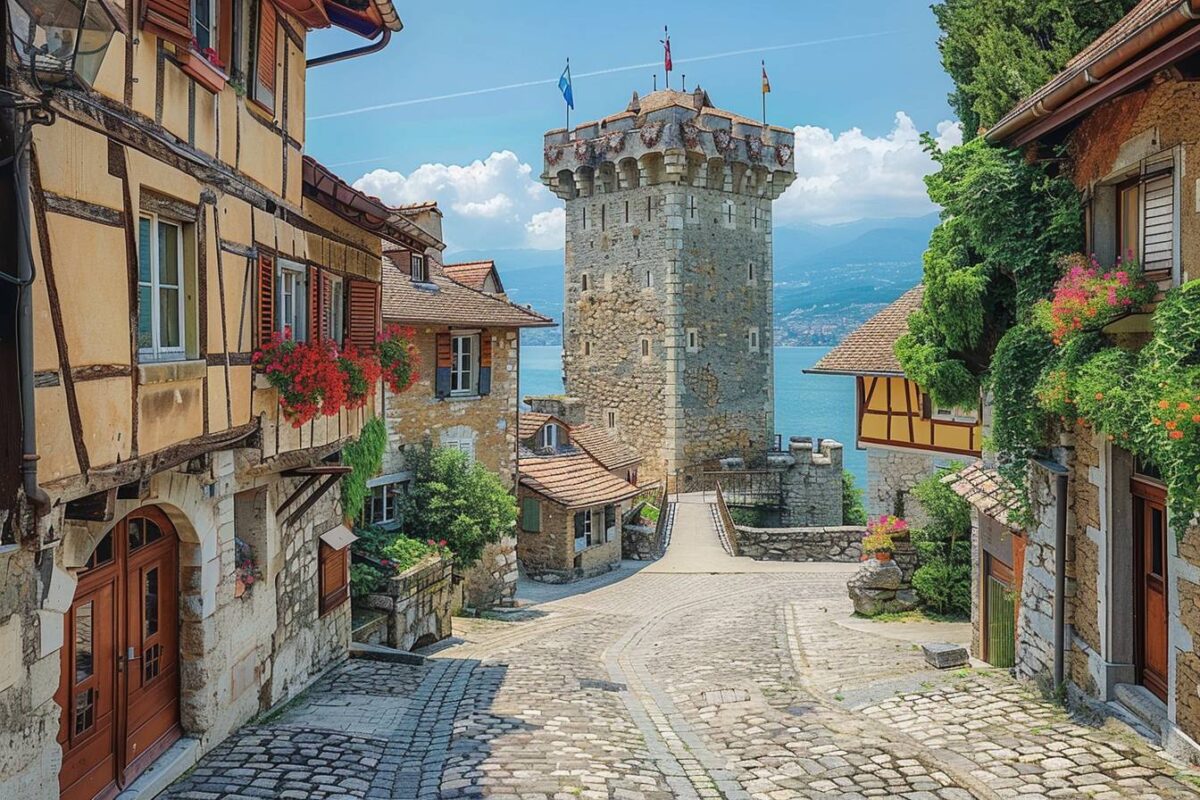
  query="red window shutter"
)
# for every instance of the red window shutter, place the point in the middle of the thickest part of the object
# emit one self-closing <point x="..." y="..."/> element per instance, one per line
<point x="169" y="19"/>
<point x="444" y="356"/>
<point x="326" y="299"/>
<point x="485" y="350"/>
<point x="266" y="299"/>
<point x="362" y="325"/>
<point x="225" y="18"/>
<point x="267" y="27"/>
<point x="316" y="302"/>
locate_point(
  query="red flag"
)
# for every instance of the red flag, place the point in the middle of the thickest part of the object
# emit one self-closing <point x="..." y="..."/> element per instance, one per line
<point x="667" y="50"/>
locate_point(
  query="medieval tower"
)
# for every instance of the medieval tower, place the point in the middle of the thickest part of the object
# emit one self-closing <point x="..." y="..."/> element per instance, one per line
<point x="667" y="325"/>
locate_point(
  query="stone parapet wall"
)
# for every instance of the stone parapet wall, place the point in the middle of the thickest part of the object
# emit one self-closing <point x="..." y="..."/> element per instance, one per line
<point x="492" y="581"/>
<point x="809" y="476"/>
<point x="838" y="543"/>
<point x="418" y="603"/>
<point x="639" y="542"/>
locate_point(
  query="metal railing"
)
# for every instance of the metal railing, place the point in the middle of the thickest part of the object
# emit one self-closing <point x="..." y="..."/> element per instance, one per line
<point x="749" y="487"/>
<point x="731" y="531"/>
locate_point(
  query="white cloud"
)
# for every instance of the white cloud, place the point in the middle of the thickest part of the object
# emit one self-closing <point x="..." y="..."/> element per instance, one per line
<point x="492" y="204"/>
<point x="851" y="175"/>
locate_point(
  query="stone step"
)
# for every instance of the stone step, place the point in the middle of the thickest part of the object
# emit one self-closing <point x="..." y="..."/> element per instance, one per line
<point x="1143" y="705"/>
<point x="378" y="652"/>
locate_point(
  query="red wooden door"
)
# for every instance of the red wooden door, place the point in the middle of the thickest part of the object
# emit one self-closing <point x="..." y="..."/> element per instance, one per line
<point x="119" y="690"/>
<point x="1150" y="574"/>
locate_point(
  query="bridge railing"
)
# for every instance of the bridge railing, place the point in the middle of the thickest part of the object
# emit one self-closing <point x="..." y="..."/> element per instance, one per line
<point x="731" y="531"/>
<point x="762" y="488"/>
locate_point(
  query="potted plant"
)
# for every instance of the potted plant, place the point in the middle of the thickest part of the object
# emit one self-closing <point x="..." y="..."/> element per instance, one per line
<point x="246" y="570"/>
<point x="879" y="545"/>
<point x="306" y="375"/>
<point x="360" y="371"/>
<point x="895" y="527"/>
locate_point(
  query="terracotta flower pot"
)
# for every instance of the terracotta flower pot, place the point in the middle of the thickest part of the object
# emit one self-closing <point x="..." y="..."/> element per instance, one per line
<point x="883" y="556"/>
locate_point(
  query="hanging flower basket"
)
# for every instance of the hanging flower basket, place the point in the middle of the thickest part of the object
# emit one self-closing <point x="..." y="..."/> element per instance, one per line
<point x="397" y="357"/>
<point x="361" y="371"/>
<point x="1088" y="297"/>
<point x="306" y="375"/>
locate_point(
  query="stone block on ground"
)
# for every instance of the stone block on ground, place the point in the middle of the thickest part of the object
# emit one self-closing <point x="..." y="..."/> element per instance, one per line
<point x="944" y="655"/>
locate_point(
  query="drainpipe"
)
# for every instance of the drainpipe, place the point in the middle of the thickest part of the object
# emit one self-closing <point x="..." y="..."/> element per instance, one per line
<point x="345" y="55"/>
<point x="25" y="277"/>
<point x="1060" y="474"/>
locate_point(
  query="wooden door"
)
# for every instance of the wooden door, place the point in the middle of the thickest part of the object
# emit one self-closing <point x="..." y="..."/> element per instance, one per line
<point x="1150" y="590"/>
<point x="119" y="690"/>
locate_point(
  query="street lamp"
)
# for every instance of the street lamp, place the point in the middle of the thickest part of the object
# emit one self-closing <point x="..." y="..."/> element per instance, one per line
<point x="61" y="41"/>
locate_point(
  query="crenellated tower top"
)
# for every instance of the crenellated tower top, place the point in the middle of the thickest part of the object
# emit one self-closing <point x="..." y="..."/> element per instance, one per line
<point x="670" y="137"/>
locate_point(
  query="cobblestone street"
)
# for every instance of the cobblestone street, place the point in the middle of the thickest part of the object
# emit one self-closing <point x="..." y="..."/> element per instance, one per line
<point x="700" y="676"/>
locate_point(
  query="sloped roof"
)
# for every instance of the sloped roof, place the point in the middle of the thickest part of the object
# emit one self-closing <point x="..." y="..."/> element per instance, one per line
<point x="573" y="480"/>
<point x="869" y="349"/>
<point x="473" y="274"/>
<point x="605" y="448"/>
<point x="987" y="491"/>
<point x="532" y="421"/>
<point x="445" y="302"/>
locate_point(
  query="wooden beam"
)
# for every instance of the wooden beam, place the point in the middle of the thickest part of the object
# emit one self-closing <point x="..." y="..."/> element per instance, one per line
<point x="312" y="499"/>
<point x="97" y="507"/>
<point x="294" y="496"/>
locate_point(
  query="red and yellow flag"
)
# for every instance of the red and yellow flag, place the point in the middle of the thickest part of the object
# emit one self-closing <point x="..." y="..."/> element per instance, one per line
<point x="766" y="80"/>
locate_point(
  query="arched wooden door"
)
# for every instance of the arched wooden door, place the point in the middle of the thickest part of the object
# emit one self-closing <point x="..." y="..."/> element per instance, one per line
<point x="119" y="690"/>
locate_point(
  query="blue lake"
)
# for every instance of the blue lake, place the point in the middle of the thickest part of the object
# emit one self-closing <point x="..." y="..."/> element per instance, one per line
<point x="805" y="405"/>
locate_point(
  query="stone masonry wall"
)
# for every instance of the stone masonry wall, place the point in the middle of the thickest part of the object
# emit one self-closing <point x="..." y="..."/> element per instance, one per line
<point x="492" y="581"/>
<point x="1035" y="618"/>
<point x="553" y="547"/>
<point x="417" y="602"/>
<point x="812" y="484"/>
<point x="893" y="473"/>
<point x="841" y="543"/>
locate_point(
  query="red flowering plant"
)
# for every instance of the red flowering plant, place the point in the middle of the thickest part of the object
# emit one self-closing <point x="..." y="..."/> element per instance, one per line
<point x="1087" y="297"/>
<point x="306" y="375"/>
<point x="361" y="371"/>
<point x="397" y="357"/>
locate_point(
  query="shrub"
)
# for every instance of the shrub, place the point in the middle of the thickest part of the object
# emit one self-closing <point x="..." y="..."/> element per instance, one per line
<point x="650" y="514"/>
<point x="944" y="587"/>
<point x="404" y="552"/>
<point x="943" y="579"/>
<point x="365" y="579"/>
<point x="749" y="517"/>
<point x="458" y="501"/>
<point x="853" y="512"/>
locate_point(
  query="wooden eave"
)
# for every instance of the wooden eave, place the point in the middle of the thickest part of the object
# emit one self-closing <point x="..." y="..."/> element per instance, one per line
<point x="361" y="210"/>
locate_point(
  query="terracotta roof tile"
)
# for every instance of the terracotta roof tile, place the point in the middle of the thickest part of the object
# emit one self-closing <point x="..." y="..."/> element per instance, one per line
<point x="869" y="349"/>
<point x="472" y="274"/>
<point x="605" y="448"/>
<point x="530" y="422"/>
<point x="987" y="491"/>
<point x="574" y="480"/>
<point x="444" y="301"/>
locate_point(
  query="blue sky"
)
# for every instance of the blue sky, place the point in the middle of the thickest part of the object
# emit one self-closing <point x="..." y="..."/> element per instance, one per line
<point x="479" y="155"/>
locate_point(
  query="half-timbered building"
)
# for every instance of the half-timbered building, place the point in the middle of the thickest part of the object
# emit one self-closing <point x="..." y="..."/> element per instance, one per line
<point x="172" y="560"/>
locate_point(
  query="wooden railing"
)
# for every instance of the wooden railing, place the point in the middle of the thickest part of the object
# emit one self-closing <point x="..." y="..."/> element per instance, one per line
<point x="731" y="531"/>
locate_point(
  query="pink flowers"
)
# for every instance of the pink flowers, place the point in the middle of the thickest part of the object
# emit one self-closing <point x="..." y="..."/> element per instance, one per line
<point x="1089" y="297"/>
<point x="888" y="524"/>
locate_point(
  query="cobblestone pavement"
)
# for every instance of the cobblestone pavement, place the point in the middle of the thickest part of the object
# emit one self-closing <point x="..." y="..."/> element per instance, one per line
<point x="652" y="685"/>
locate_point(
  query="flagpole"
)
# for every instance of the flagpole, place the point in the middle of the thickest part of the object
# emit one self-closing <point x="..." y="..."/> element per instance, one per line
<point x="667" y="42"/>
<point x="568" y="105"/>
<point x="764" y="96"/>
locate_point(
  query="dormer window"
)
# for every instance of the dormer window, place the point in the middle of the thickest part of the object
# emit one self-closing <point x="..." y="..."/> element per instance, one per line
<point x="548" y="437"/>
<point x="418" y="269"/>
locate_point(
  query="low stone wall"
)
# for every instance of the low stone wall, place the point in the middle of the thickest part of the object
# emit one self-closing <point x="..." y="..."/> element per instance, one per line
<point x="639" y="543"/>
<point x="418" y="603"/>
<point x="492" y="581"/>
<point x="837" y="543"/>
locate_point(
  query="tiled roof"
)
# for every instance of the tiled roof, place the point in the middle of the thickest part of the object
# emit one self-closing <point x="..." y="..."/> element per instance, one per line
<point x="471" y="274"/>
<point x="530" y="422"/>
<point x="573" y="480"/>
<point x="869" y="349"/>
<point x="443" y="301"/>
<point x="987" y="491"/>
<point x="1143" y="15"/>
<point x="600" y="445"/>
<point x="427" y="205"/>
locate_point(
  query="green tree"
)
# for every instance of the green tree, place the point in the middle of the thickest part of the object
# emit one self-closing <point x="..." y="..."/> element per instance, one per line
<point x="459" y="501"/>
<point x="853" y="512"/>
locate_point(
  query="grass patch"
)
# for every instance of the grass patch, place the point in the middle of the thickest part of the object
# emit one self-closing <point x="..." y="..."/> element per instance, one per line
<point x="1190" y="778"/>
<point x="920" y="615"/>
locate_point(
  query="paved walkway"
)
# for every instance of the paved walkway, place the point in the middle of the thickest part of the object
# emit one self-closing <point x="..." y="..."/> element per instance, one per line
<point x="696" y="677"/>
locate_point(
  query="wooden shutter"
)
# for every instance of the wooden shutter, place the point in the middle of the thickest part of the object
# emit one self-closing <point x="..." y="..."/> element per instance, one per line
<point x="444" y="358"/>
<point x="926" y="406"/>
<point x="326" y="308"/>
<point x="333" y="576"/>
<point x="1158" y="239"/>
<point x="362" y="318"/>
<point x="225" y="23"/>
<point x="169" y="19"/>
<point x="267" y="26"/>
<point x="316" y="330"/>
<point x="485" y="363"/>
<point x="266" y="299"/>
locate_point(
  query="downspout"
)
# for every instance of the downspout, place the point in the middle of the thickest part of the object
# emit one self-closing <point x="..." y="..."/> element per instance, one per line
<point x="1060" y="474"/>
<point x="345" y="55"/>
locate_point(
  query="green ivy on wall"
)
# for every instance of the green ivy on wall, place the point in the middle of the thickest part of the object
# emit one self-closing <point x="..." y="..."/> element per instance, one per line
<point x="365" y="457"/>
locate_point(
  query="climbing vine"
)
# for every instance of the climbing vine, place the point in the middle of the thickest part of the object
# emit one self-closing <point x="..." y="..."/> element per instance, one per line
<point x="365" y="458"/>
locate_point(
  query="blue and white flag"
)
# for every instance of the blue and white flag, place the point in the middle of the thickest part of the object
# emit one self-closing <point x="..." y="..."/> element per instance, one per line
<point x="564" y="86"/>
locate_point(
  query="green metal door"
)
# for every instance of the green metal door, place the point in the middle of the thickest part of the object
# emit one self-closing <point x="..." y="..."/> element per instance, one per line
<point x="1001" y="623"/>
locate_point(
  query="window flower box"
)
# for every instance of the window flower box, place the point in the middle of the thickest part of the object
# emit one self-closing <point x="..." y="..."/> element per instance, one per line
<point x="203" y="70"/>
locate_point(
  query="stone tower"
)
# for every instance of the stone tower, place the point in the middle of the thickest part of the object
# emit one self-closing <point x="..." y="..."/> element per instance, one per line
<point x="667" y="325"/>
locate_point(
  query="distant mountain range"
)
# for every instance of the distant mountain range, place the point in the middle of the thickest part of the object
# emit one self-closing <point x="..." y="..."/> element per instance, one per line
<point x="829" y="279"/>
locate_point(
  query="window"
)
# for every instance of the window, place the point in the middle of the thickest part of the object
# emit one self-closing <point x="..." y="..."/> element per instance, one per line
<point x="626" y="212"/>
<point x="1145" y="219"/>
<point x="631" y="476"/>
<point x="584" y="283"/>
<point x="583" y="530"/>
<point x="585" y="218"/>
<point x="204" y="25"/>
<point x="531" y="515"/>
<point x="260" y="84"/>
<point x="547" y="437"/>
<point x="955" y="414"/>
<point x="291" y="300"/>
<point x="750" y="277"/>
<point x="693" y="213"/>
<point x="460" y="438"/>
<point x="728" y="214"/>
<point x="649" y="283"/>
<point x="335" y="303"/>
<point x="752" y="340"/>
<point x="757" y="218"/>
<point x="418" y="271"/>
<point x="645" y="347"/>
<point x="693" y="340"/>
<point x="610" y="418"/>
<point x="587" y="347"/>
<point x="1128" y="220"/>
<point x="333" y="569"/>
<point x="610" y="523"/>
<point x="603" y="217"/>
<point x="162" y="311"/>
<point x="464" y="363"/>
<point x="649" y="210"/>
<point x="383" y="506"/>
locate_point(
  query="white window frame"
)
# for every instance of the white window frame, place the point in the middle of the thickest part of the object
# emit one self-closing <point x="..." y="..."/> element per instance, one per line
<point x="588" y="528"/>
<point x="693" y="340"/>
<point x="335" y="308"/>
<point x="955" y="414"/>
<point x="464" y="364"/>
<point x="418" y="268"/>
<point x="752" y="339"/>
<point x="210" y="24"/>
<point x="547" y="436"/>
<point x="385" y="496"/>
<point x="298" y="275"/>
<point x="156" y="351"/>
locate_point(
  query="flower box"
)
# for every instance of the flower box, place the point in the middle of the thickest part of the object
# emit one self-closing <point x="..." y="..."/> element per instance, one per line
<point x="203" y="71"/>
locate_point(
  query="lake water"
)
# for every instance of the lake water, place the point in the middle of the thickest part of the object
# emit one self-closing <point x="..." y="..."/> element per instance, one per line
<point x="821" y="406"/>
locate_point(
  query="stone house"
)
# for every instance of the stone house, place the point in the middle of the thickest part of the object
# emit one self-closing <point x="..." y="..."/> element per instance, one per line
<point x="172" y="560"/>
<point x="1103" y="544"/>
<point x="467" y="339"/>
<point x="571" y="498"/>
<point x="667" y="326"/>
<point x="906" y="438"/>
